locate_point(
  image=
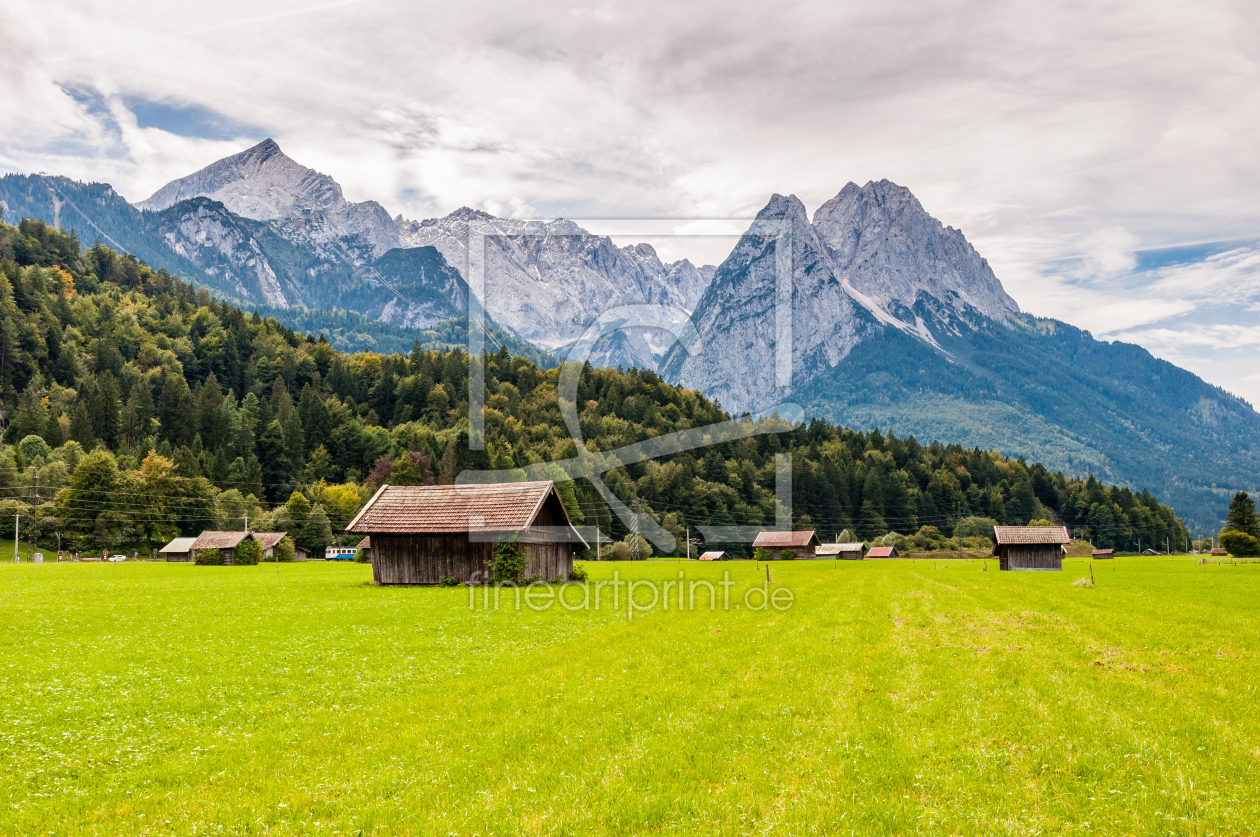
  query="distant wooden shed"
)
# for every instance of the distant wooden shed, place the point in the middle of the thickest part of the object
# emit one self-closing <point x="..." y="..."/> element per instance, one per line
<point x="882" y="552"/>
<point x="842" y="551"/>
<point x="1104" y="554"/>
<point x="802" y="543"/>
<point x="365" y="546"/>
<point x="268" y="541"/>
<point x="179" y="549"/>
<point x="422" y="534"/>
<point x="713" y="556"/>
<point x="1030" y="547"/>
<point x="1219" y="551"/>
<point x="225" y="542"/>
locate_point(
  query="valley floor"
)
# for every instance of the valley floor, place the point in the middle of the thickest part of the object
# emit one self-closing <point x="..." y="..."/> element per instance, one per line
<point x="891" y="697"/>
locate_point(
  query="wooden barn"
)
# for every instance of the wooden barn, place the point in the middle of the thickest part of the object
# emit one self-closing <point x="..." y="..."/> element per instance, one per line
<point x="268" y="541"/>
<point x="225" y="542"/>
<point x="842" y="551"/>
<point x="713" y="556"/>
<point x="882" y="552"/>
<point x="802" y="544"/>
<point x="1030" y="547"/>
<point x="1103" y="554"/>
<point x="179" y="549"/>
<point x="422" y="534"/>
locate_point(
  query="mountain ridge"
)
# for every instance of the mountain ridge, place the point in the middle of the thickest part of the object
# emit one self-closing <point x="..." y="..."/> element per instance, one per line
<point x="882" y="292"/>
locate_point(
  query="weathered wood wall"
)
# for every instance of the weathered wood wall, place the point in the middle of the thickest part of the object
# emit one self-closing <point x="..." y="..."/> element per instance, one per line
<point x="427" y="559"/>
<point x="1033" y="557"/>
<point x="178" y="556"/>
<point x="549" y="561"/>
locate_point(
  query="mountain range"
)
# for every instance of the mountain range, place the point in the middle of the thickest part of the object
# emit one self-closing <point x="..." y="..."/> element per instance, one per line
<point x="895" y="320"/>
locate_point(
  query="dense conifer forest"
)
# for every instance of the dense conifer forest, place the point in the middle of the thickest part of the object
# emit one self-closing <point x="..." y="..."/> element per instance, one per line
<point x="137" y="407"/>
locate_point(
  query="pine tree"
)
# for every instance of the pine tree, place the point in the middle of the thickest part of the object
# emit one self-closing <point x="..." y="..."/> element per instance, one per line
<point x="450" y="463"/>
<point x="32" y="416"/>
<point x="316" y="533"/>
<point x="870" y="522"/>
<point x="1242" y="515"/>
<point x="81" y="425"/>
<point x="53" y="434"/>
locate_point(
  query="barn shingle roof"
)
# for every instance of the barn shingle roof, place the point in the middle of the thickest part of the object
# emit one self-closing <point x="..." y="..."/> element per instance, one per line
<point x="448" y="509"/>
<point x="712" y="556"/>
<point x="839" y="548"/>
<point x="218" y="540"/>
<point x="781" y="539"/>
<point x="1030" y="535"/>
<point x="881" y="552"/>
<point x="268" y="539"/>
<point x="179" y="545"/>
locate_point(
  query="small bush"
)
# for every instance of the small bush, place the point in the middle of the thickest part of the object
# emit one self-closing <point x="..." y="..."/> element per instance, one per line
<point x="787" y="555"/>
<point x="248" y="553"/>
<point x="508" y="563"/>
<point x="363" y="557"/>
<point x="620" y="551"/>
<point x="1240" y="544"/>
<point x="761" y="554"/>
<point x="578" y="573"/>
<point x="444" y="581"/>
<point x="284" y="550"/>
<point x="209" y="558"/>
<point x="1083" y="581"/>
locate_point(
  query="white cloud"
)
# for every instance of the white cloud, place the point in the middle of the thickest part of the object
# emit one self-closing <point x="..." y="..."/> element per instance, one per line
<point x="1109" y="252"/>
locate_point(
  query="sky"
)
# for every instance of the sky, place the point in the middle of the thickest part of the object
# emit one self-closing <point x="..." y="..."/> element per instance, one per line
<point x="1101" y="155"/>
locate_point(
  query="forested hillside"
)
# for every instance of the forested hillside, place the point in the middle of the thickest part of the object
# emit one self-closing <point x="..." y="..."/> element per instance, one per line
<point x="1086" y="406"/>
<point x="137" y="408"/>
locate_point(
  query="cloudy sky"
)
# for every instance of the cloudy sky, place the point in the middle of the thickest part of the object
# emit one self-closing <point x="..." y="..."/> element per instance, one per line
<point x="1102" y="156"/>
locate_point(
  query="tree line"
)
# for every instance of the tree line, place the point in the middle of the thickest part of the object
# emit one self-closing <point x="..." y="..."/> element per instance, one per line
<point x="137" y="407"/>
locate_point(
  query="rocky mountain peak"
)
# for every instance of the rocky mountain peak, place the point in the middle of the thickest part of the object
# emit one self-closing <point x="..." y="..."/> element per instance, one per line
<point x="886" y="247"/>
<point x="871" y="259"/>
<point x="265" y="184"/>
<point x="262" y="183"/>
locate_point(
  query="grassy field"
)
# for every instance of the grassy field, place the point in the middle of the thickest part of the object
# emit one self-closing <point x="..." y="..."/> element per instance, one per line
<point x="890" y="698"/>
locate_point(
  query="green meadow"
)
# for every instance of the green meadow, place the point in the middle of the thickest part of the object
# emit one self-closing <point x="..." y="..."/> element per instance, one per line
<point x="891" y="697"/>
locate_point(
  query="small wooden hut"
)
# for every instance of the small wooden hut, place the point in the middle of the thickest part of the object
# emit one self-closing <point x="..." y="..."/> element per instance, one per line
<point x="842" y="551"/>
<point x="422" y="534"/>
<point x="268" y="541"/>
<point x="1104" y="554"/>
<point x="802" y="544"/>
<point x="1219" y="551"/>
<point x="365" y="546"/>
<point x="713" y="556"/>
<point x="225" y="542"/>
<point x="1030" y="547"/>
<point x="882" y="552"/>
<point x="179" y="549"/>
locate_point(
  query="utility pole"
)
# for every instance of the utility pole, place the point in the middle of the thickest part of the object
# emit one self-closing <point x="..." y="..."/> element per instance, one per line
<point x="688" y="531"/>
<point x="16" y="518"/>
